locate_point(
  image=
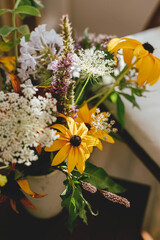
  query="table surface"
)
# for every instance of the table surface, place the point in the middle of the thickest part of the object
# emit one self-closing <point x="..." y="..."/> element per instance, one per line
<point x="114" y="222"/>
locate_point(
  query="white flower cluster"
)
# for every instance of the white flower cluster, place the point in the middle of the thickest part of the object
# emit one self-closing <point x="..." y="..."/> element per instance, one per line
<point x="24" y="124"/>
<point x="93" y="62"/>
<point x="42" y="45"/>
<point x="100" y="121"/>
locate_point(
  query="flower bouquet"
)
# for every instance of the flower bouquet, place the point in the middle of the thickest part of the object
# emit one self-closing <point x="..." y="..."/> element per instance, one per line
<point x="50" y="107"/>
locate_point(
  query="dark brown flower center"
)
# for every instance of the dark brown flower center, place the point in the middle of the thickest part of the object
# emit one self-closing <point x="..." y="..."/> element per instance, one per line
<point x="75" y="140"/>
<point x="88" y="126"/>
<point x="148" y="47"/>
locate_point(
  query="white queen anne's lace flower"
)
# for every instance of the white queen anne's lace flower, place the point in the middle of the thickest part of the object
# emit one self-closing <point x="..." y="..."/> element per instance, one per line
<point x="24" y="124"/>
<point x="93" y="62"/>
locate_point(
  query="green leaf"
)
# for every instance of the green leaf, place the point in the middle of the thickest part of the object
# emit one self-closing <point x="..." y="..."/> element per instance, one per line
<point x="75" y="203"/>
<point x="130" y="98"/>
<point x="6" y="30"/>
<point x="24" y="29"/>
<point x="18" y="174"/>
<point x="120" y="111"/>
<point x="46" y="82"/>
<point x="2" y="11"/>
<point x="86" y="36"/>
<point x="33" y="3"/>
<point x="137" y="92"/>
<point x="98" y="177"/>
<point x="28" y="10"/>
<point x="27" y="37"/>
<point x="5" y="46"/>
<point x="37" y="4"/>
<point x="69" y="203"/>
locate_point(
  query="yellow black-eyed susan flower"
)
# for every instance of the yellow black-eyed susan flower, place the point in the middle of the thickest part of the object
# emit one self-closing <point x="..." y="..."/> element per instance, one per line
<point x="73" y="143"/>
<point x="148" y="66"/>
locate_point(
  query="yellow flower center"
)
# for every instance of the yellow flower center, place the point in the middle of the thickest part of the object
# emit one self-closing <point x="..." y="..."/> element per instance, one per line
<point x="147" y="46"/>
<point x="75" y="140"/>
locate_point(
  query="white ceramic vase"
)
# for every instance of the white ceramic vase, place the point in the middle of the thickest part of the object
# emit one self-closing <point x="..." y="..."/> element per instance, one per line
<point x="51" y="185"/>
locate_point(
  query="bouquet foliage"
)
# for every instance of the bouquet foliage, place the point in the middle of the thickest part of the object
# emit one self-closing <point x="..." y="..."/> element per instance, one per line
<point x="50" y="105"/>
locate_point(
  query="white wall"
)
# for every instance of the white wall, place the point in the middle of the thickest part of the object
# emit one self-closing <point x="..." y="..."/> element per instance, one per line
<point x="121" y="17"/>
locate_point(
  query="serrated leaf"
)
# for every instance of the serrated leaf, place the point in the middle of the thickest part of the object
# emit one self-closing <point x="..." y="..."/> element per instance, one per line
<point x="2" y="11"/>
<point x="27" y="37"/>
<point x="120" y="111"/>
<point x="24" y="29"/>
<point x="32" y="3"/>
<point x="28" y="10"/>
<point x="137" y="92"/>
<point x="74" y="202"/>
<point x="5" y="46"/>
<point x="6" y="30"/>
<point x="68" y="203"/>
<point x="131" y="99"/>
<point x="98" y="177"/>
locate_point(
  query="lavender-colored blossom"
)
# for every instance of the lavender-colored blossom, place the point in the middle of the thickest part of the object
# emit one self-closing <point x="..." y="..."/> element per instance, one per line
<point x="36" y="54"/>
<point x="63" y="68"/>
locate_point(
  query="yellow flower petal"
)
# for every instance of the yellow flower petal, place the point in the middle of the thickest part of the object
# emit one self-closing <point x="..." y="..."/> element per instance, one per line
<point x="80" y="164"/>
<point x="128" y="56"/>
<point x="104" y="136"/>
<point x="138" y="64"/>
<point x="90" y="149"/>
<point x="24" y="185"/>
<point x="145" y="70"/>
<point x="112" y="44"/>
<point x="61" y="155"/>
<point x="84" y="114"/>
<point x="156" y="70"/>
<point x="93" y="141"/>
<point x="72" y="126"/>
<point x="62" y="128"/>
<point x="56" y="145"/>
<point x="108" y="138"/>
<point x="72" y="159"/>
<point x="85" y="150"/>
<point x="9" y="63"/>
<point x="140" y="52"/>
<point x="127" y="43"/>
<point x="82" y="130"/>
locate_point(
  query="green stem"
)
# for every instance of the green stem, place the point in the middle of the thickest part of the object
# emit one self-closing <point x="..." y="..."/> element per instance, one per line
<point x="16" y="4"/>
<point x="73" y="186"/>
<point x="120" y="77"/>
<point x="82" y="89"/>
<point x="95" y="96"/>
<point x="14" y="37"/>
